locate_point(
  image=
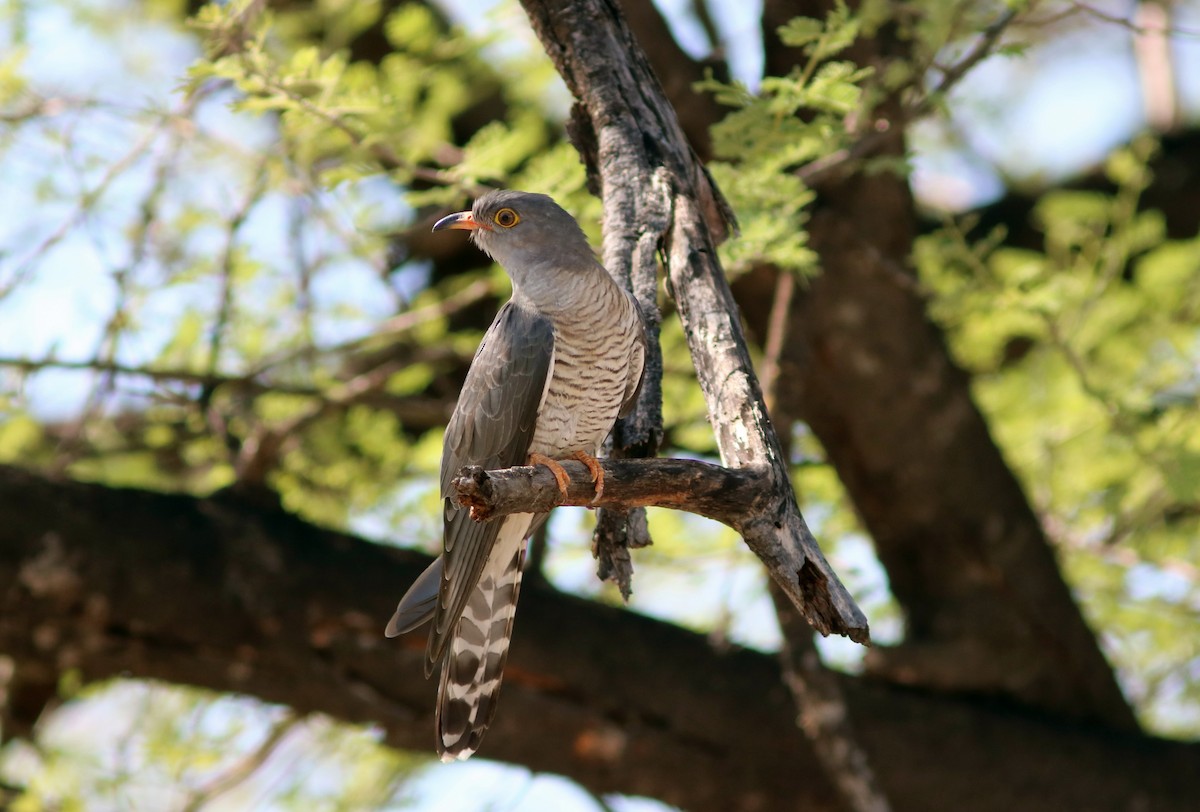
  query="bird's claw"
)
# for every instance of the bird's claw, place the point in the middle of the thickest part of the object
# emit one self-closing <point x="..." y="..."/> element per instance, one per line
<point x="560" y="474"/>
<point x="593" y="465"/>
<point x="564" y="479"/>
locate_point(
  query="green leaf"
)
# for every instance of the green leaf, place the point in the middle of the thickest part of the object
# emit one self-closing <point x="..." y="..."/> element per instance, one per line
<point x="800" y="31"/>
<point x="1183" y="476"/>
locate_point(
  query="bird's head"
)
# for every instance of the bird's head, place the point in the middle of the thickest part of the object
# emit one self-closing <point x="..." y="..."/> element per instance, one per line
<point x="533" y="237"/>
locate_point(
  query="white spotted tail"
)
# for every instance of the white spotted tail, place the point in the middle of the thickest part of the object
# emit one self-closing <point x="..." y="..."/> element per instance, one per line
<point x="474" y="664"/>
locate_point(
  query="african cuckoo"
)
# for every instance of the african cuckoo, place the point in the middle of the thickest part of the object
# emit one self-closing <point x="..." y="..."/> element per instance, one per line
<point x="562" y="360"/>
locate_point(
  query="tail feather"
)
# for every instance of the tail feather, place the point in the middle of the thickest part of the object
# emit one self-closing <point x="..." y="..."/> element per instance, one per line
<point x="418" y="602"/>
<point x="474" y="664"/>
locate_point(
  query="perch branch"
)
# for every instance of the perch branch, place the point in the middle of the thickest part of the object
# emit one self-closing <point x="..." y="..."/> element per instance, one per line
<point x="733" y="496"/>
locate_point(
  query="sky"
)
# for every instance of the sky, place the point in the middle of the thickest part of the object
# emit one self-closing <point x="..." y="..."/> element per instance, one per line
<point x="1080" y="99"/>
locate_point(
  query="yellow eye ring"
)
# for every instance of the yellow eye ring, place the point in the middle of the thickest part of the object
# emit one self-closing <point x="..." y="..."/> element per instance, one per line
<point x="507" y="218"/>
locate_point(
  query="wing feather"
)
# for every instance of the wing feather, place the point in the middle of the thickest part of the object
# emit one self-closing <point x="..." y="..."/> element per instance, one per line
<point x="492" y="426"/>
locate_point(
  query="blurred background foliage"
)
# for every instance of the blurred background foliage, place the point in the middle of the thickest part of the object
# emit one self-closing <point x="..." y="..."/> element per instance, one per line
<point x="213" y="267"/>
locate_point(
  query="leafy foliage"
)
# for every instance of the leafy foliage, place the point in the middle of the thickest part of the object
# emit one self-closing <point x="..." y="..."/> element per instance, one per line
<point x="790" y="121"/>
<point x="1086" y="363"/>
<point x="189" y="749"/>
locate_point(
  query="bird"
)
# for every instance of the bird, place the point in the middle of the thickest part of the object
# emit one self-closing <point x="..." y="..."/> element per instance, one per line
<point x="562" y="360"/>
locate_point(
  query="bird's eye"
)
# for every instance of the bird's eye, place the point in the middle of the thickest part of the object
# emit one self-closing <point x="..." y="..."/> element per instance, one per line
<point x="507" y="218"/>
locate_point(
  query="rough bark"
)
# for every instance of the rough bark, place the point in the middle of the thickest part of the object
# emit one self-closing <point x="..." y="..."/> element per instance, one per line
<point x="677" y="73"/>
<point x="238" y="596"/>
<point x="729" y="495"/>
<point x="635" y="152"/>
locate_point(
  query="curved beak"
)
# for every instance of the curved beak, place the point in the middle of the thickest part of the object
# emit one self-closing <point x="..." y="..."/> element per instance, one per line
<point x="462" y="220"/>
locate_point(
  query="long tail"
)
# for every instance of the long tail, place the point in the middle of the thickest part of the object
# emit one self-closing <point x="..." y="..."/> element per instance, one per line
<point x="474" y="663"/>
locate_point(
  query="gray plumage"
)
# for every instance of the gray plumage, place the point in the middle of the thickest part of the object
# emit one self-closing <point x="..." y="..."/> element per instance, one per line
<point x="561" y="361"/>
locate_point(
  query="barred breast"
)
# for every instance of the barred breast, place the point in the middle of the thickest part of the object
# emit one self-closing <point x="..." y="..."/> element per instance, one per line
<point x="595" y="342"/>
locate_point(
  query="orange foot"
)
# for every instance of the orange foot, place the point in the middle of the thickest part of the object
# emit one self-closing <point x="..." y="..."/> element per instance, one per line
<point x="593" y="465"/>
<point x="560" y="473"/>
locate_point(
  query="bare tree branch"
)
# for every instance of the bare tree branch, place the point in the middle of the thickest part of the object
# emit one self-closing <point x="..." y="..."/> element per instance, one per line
<point x="829" y="168"/>
<point x="734" y="496"/>
<point x="1137" y="25"/>
<point x="821" y="709"/>
<point x="636" y="152"/>
<point x="677" y="72"/>
<point x="226" y="265"/>
<point x="1156" y="66"/>
<point x="245" y="767"/>
<point x="823" y="715"/>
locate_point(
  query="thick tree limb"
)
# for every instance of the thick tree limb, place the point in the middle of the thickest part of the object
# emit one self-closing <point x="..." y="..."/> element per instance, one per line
<point x="234" y="596"/>
<point x="634" y="148"/>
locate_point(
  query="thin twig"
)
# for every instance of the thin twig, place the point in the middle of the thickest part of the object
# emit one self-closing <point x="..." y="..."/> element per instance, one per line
<point x="825" y="168"/>
<point x="260" y="452"/>
<point x="160" y="374"/>
<point x="226" y="269"/>
<point x="777" y="324"/>
<point x="822" y="712"/>
<point x="87" y="200"/>
<point x="392" y="328"/>
<point x="1123" y="22"/>
<point x="246" y="766"/>
<point x="380" y="151"/>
